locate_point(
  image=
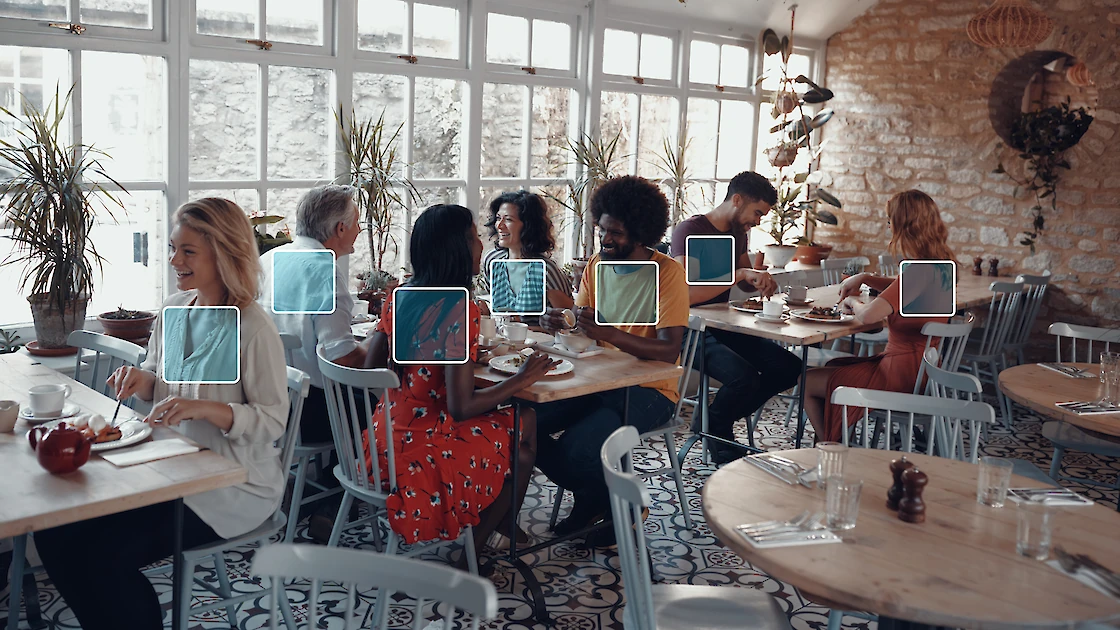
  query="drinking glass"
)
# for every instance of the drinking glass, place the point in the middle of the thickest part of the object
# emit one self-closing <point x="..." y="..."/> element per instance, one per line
<point x="830" y="460"/>
<point x="842" y="501"/>
<point x="1110" y="377"/>
<point x="995" y="477"/>
<point x="1035" y="526"/>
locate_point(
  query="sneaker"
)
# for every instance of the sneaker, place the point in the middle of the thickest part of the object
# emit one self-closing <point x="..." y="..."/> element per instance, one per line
<point x="500" y="542"/>
<point x="725" y="454"/>
<point x="584" y="514"/>
<point x="605" y="538"/>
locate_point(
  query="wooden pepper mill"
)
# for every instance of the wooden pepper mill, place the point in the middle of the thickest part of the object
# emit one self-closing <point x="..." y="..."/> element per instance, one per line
<point x="976" y="269"/>
<point x="911" y="508"/>
<point x="894" y="495"/>
<point x="993" y="267"/>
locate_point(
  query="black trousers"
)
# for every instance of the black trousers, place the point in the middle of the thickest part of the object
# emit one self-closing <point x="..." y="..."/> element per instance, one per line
<point x="95" y="564"/>
<point x="315" y="424"/>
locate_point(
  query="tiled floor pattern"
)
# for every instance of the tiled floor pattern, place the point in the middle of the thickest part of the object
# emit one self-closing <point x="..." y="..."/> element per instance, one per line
<point x="584" y="587"/>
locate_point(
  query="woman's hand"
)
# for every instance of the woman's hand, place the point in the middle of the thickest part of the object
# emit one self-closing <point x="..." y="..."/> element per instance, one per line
<point x="847" y="305"/>
<point x="175" y="409"/>
<point x="128" y="380"/>
<point x="535" y="368"/>
<point x="852" y="286"/>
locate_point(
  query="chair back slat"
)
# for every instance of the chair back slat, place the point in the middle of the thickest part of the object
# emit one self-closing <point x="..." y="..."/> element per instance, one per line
<point x="109" y="353"/>
<point x="424" y="581"/>
<point x="291" y="344"/>
<point x="888" y="265"/>
<point x="1002" y="314"/>
<point x="299" y="384"/>
<point x="948" y="341"/>
<point x="952" y="385"/>
<point x="692" y="336"/>
<point x="628" y="496"/>
<point x="833" y="268"/>
<point x="909" y="405"/>
<point x="1034" y="290"/>
<point x="1089" y="334"/>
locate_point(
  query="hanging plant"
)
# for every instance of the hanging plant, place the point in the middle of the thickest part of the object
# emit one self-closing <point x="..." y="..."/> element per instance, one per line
<point x="1041" y="138"/>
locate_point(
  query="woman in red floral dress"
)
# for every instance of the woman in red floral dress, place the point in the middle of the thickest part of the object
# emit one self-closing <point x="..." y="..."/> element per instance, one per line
<point x="451" y="443"/>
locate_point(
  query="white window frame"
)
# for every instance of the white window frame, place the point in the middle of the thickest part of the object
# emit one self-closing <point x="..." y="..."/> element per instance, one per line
<point x="198" y="40"/>
<point x="157" y="33"/>
<point x="675" y="36"/>
<point x="724" y="90"/>
<point x="571" y="19"/>
<point x="403" y="58"/>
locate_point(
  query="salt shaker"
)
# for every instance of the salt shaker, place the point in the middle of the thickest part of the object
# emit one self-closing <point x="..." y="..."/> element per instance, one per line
<point x="894" y="494"/>
<point x="993" y="266"/>
<point x="976" y="269"/>
<point x="912" y="508"/>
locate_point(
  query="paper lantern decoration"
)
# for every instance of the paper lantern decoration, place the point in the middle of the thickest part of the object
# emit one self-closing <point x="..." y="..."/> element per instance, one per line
<point x="1078" y="74"/>
<point x="1009" y="24"/>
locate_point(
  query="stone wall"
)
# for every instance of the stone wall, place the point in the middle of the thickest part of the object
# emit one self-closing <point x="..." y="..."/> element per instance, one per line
<point x="911" y="107"/>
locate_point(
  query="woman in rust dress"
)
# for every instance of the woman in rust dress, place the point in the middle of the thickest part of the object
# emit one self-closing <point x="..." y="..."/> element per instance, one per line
<point x="917" y="233"/>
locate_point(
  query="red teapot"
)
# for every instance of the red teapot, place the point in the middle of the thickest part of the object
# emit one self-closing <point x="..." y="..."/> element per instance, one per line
<point x="61" y="448"/>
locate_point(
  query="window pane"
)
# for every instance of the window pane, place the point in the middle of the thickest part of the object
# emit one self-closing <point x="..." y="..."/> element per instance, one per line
<point x="563" y="221"/>
<point x="552" y="45"/>
<point x="507" y="39"/>
<point x="283" y="202"/>
<point x="703" y="63"/>
<point x="657" y="57"/>
<point x="124" y="113"/>
<point x="224" y="119"/>
<point x="300" y="122"/>
<point x="735" y="120"/>
<point x="437" y="128"/>
<point x="616" y="118"/>
<point x="35" y="10"/>
<point x="375" y="94"/>
<point x="294" y="21"/>
<point x="122" y="13"/>
<point x="381" y="25"/>
<point x="228" y="18"/>
<point x="772" y="68"/>
<point x="432" y="196"/>
<point x="35" y="73"/>
<point x="620" y="52"/>
<point x="734" y="66"/>
<point x="435" y="31"/>
<point x="703" y="128"/>
<point x="503" y="113"/>
<point x="658" y="115"/>
<point x="700" y="197"/>
<point x="125" y="280"/>
<point x="551" y="107"/>
<point x="246" y="198"/>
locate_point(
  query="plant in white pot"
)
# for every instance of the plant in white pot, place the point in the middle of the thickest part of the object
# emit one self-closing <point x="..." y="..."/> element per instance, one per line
<point x="53" y="191"/>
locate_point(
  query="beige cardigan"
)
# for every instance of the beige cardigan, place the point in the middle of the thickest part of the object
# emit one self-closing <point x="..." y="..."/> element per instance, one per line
<point x="260" y="413"/>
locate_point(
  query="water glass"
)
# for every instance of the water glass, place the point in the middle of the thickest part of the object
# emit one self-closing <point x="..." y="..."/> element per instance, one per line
<point x="995" y="477"/>
<point x="830" y="460"/>
<point x="841" y="501"/>
<point x="1110" y="377"/>
<point x="1036" y="523"/>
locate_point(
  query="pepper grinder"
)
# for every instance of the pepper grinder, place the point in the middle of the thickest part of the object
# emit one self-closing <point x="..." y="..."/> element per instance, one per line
<point x="911" y="508"/>
<point x="894" y="495"/>
<point x="993" y="266"/>
<point x="976" y="270"/>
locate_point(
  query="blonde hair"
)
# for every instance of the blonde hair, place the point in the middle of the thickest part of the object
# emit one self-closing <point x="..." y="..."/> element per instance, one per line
<point x="225" y="226"/>
<point x="917" y="231"/>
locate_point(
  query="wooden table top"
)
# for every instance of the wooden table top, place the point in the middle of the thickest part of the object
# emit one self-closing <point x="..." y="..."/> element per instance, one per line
<point x="613" y="369"/>
<point x="958" y="569"/>
<point x="1038" y="389"/>
<point x="32" y="499"/>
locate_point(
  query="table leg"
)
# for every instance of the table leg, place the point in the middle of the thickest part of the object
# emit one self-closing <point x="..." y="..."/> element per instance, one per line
<point x="801" y="397"/>
<point x="177" y="620"/>
<point x="701" y="409"/>
<point x="15" y="595"/>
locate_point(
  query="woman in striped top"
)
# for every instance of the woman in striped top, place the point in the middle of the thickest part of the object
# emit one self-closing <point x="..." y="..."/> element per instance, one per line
<point x="521" y="229"/>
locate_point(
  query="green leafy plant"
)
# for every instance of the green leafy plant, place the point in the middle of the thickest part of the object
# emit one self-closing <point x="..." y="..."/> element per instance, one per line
<point x="266" y="241"/>
<point x="123" y="313"/>
<point x="596" y="161"/>
<point x="376" y="280"/>
<point x="672" y="161"/>
<point x="853" y="267"/>
<point x="376" y="169"/>
<point x="9" y="342"/>
<point x="1040" y="138"/>
<point x="52" y="198"/>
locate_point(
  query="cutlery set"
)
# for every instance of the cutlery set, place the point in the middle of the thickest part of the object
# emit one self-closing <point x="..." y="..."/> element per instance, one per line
<point x="805" y="528"/>
<point x="787" y="470"/>
<point x="1079" y="564"/>
<point x="1068" y="370"/>
<point x="1048" y="496"/>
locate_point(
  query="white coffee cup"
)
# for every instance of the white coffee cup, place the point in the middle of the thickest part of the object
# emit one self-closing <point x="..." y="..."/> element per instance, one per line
<point x="772" y="308"/>
<point x="516" y="332"/>
<point x="48" y="400"/>
<point x="487" y="328"/>
<point x="9" y="413"/>
<point x="797" y="294"/>
<point x="361" y="307"/>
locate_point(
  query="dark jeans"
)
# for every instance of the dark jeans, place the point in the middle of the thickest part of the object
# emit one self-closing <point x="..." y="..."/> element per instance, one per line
<point x="751" y="371"/>
<point x="95" y="564"/>
<point x="572" y="459"/>
<point x="315" y="423"/>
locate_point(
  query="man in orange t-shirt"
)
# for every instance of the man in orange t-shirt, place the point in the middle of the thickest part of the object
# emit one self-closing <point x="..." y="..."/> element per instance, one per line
<point x="618" y="287"/>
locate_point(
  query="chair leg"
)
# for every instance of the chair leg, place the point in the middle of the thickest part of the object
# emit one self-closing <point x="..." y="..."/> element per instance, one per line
<point x="381" y="608"/>
<point x="792" y="405"/>
<point x="1056" y="462"/>
<point x="556" y="507"/>
<point x="186" y="589"/>
<point x="285" y="607"/>
<point x="834" y="619"/>
<point x="340" y="521"/>
<point x="222" y="570"/>
<point x="468" y="548"/>
<point x="19" y="564"/>
<point x="1004" y="405"/>
<point x="297" y="498"/>
<point x="682" y="498"/>
<point x="752" y="424"/>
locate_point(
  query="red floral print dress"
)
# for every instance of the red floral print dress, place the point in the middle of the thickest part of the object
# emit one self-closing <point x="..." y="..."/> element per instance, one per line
<point x="448" y="470"/>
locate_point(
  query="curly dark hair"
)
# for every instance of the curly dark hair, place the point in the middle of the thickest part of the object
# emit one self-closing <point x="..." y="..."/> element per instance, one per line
<point x="537" y="240"/>
<point x="753" y="186"/>
<point x="638" y="203"/>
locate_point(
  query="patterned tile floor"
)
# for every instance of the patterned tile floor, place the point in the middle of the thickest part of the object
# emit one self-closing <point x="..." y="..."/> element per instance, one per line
<point x="583" y="587"/>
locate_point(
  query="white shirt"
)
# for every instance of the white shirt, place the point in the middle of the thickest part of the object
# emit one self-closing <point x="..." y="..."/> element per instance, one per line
<point x="330" y="332"/>
<point x="260" y="414"/>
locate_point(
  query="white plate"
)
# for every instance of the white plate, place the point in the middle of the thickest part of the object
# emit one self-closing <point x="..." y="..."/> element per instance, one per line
<point x="741" y="305"/>
<point x="69" y="411"/>
<point x="505" y="363"/>
<point x="133" y="431"/>
<point x="801" y="314"/>
<point x="793" y="302"/>
<point x="772" y="320"/>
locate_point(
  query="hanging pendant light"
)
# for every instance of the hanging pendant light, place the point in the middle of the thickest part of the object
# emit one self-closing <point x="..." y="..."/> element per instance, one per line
<point x="1078" y="74"/>
<point x="1009" y="24"/>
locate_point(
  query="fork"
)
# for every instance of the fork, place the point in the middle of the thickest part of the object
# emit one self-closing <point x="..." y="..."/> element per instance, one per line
<point x="814" y="523"/>
<point x="770" y="526"/>
<point x="1072" y="564"/>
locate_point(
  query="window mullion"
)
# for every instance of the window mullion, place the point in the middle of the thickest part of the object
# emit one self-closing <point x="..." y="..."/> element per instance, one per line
<point x="262" y="140"/>
<point x="262" y="15"/>
<point x="75" y="108"/>
<point x="73" y="8"/>
<point x="409" y="25"/>
<point x="527" y="133"/>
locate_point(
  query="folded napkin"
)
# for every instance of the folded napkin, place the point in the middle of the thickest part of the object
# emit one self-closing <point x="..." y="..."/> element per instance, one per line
<point x="149" y="452"/>
<point x="1068" y="370"/>
<point x="1081" y="576"/>
<point x="1057" y="497"/>
<point x="793" y="539"/>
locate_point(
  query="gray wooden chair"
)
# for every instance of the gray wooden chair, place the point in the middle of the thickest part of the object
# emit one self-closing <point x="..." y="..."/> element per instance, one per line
<point x="108" y="354"/>
<point x="985" y="355"/>
<point x="833" y="268"/>
<point x="1034" y="290"/>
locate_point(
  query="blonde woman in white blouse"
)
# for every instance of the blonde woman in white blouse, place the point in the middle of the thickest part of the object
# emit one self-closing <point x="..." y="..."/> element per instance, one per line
<point x="214" y="256"/>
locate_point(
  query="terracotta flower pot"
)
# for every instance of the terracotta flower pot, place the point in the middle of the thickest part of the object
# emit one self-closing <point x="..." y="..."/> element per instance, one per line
<point x="135" y="328"/>
<point x="811" y="254"/>
<point x="53" y="328"/>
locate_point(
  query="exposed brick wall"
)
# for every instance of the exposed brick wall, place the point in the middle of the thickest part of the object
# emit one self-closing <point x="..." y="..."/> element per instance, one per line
<point x="912" y="112"/>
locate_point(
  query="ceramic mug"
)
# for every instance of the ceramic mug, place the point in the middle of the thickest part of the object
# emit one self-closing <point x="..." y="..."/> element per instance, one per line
<point x="361" y="307"/>
<point x="516" y="332"/>
<point x="797" y="294"/>
<point x="9" y="413"/>
<point x="487" y="328"/>
<point x="48" y="400"/>
<point x="772" y="308"/>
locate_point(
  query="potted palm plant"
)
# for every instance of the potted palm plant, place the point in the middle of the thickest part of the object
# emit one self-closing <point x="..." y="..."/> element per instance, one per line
<point x="52" y="197"/>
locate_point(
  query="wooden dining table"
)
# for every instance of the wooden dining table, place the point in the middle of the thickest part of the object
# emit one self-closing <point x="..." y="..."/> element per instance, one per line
<point x="1040" y="389"/>
<point x="32" y="499"/>
<point x="959" y="568"/>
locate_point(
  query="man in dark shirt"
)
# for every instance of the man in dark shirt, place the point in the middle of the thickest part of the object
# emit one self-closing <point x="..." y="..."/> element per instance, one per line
<point x="751" y="370"/>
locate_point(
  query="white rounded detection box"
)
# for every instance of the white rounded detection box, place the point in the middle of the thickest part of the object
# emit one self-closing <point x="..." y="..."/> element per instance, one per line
<point x="303" y="282"/>
<point x="517" y="287"/>
<point x="201" y="345"/>
<point x="627" y="293"/>
<point x="927" y="288"/>
<point x="430" y="325"/>
<point x="710" y="260"/>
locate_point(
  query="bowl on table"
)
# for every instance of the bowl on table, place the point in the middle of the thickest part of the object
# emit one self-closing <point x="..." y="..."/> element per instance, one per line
<point x="574" y="341"/>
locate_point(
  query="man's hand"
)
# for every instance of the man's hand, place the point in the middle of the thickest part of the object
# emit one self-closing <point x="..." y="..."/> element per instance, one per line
<point x="585" y="318"/>
<point x="553" y="320"/>
<point x="761" y="281"/>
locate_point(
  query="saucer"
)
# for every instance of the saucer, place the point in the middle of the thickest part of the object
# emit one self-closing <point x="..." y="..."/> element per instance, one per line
<point x="68" y="411"/>
<point x="772" y="320"/>
<point x="793" y="302"/>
